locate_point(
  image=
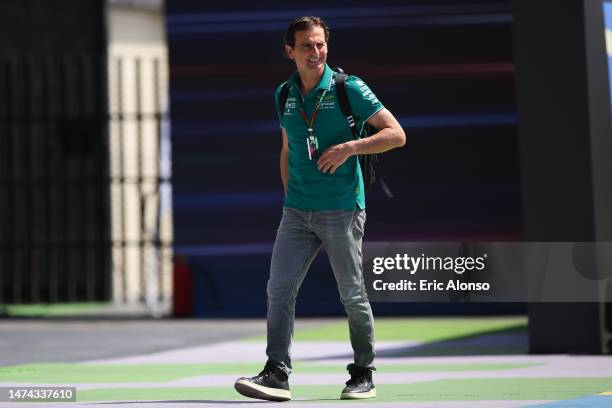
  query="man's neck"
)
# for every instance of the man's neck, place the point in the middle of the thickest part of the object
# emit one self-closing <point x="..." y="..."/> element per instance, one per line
<point x="307" y="82"/>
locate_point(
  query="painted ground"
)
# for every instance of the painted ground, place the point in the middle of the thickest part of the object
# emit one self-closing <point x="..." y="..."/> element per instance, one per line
<point x="454" y="362"/>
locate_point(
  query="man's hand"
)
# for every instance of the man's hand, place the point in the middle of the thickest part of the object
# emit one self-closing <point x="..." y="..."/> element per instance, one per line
<point x="334" y="156"/>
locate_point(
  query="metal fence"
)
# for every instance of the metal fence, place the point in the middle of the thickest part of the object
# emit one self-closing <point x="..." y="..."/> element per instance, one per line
<point x="64" y="181"/>
<point x="139" y="145"/>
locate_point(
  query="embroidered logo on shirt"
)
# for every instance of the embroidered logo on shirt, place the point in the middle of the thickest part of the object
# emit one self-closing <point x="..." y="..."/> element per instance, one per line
<point x="290" y="105"/>
<point x="367" y="92"/>
<point x="328" y="102"/>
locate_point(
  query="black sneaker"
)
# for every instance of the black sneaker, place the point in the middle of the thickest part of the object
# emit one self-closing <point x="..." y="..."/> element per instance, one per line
<point x="360" y="386"/>
<point x="271" y="384"/>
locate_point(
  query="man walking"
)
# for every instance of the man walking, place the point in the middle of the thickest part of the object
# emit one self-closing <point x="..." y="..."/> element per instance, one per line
<point x="324" y="205"/>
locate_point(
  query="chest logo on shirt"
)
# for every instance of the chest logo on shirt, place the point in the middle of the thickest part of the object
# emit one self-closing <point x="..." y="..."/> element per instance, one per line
<point x="328" y="102"/>
<point x="290" y="105"/>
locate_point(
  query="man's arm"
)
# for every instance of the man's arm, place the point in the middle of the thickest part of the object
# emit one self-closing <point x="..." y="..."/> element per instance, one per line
<point x="284" y="161"/>
<point x="389" y="136"/>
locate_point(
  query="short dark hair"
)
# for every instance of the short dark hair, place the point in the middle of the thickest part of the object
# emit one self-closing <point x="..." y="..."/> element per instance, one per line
<point x="304" y="23"/>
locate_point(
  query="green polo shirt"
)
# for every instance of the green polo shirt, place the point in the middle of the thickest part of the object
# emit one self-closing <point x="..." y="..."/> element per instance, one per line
<point x="309" y="188"/>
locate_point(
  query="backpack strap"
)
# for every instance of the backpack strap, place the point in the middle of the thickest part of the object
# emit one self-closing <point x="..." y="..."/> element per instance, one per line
<point x="367" y="160"/>
<point x="345" y="105"/>
<point x="282" y="97"/>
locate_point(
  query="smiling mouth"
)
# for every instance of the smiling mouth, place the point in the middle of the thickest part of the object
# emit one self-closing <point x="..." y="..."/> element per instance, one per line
<point x="314" y="60"/>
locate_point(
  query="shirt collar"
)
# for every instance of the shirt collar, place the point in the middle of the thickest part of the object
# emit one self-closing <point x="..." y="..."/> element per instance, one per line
<point x="324" y="83"/>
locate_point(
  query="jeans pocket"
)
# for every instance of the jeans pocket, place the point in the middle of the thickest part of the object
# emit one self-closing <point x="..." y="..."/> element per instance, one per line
<point x="358" y="223"/>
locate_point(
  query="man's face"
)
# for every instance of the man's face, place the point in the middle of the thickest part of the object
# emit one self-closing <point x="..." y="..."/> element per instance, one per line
<point x="310" y="51"/>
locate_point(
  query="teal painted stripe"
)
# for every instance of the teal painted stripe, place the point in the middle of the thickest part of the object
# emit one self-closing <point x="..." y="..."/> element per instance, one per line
<point x="608" y="14"/>
<point x="597" y="401"/>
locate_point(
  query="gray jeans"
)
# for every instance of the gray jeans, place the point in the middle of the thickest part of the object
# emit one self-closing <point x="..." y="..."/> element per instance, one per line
<point x="299" y="238"/>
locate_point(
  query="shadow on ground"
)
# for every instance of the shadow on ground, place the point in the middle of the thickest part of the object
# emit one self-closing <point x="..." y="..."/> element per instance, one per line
<point x="511" y="340"/>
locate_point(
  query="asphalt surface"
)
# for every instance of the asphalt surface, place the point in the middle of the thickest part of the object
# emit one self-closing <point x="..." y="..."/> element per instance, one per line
<point x="121" y="342"/>
<point x="25" y="341"/>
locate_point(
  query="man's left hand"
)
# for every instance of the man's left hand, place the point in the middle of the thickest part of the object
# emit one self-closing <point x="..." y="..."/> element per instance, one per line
<point x="334" y="156"/>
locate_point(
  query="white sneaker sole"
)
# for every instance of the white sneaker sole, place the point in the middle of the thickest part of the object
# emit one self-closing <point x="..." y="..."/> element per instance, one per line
<point x="248" y="389"/>
<point x="359" y="395"/>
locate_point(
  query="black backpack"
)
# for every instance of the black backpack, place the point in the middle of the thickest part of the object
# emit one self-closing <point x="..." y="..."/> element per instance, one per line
<point x="366" y="161"/>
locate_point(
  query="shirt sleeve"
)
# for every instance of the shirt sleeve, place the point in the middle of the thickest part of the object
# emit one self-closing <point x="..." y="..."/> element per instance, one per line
<point x="364" y="102"/>
<point x="279" y="112"/>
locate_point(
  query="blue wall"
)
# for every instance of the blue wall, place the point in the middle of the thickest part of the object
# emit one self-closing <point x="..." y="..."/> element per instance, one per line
<point x="444" y="68"/>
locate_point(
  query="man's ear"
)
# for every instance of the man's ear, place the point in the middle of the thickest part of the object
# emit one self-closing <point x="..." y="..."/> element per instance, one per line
<point x="289" y="51"/>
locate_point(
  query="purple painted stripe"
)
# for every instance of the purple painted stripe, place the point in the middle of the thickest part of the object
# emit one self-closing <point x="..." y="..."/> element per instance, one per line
<point x="346" y="12"/>
<point x="203" y="200"/>
<point x="221" y="95"/>
<point x="340" y="24"/>
<point x="224" y="250"/>
<point x="458" y="120"/>
<point x="206" y="129"/>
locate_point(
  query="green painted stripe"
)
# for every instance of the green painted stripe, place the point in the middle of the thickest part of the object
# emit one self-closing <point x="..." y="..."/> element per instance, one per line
<point x="415" y="329"/>
<point x="56" y="373"/>
<point x="443" y="390"/>
<point x="426" y="368"/>
<point x="53" y="309"/>
<point x="440" y="350"/>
